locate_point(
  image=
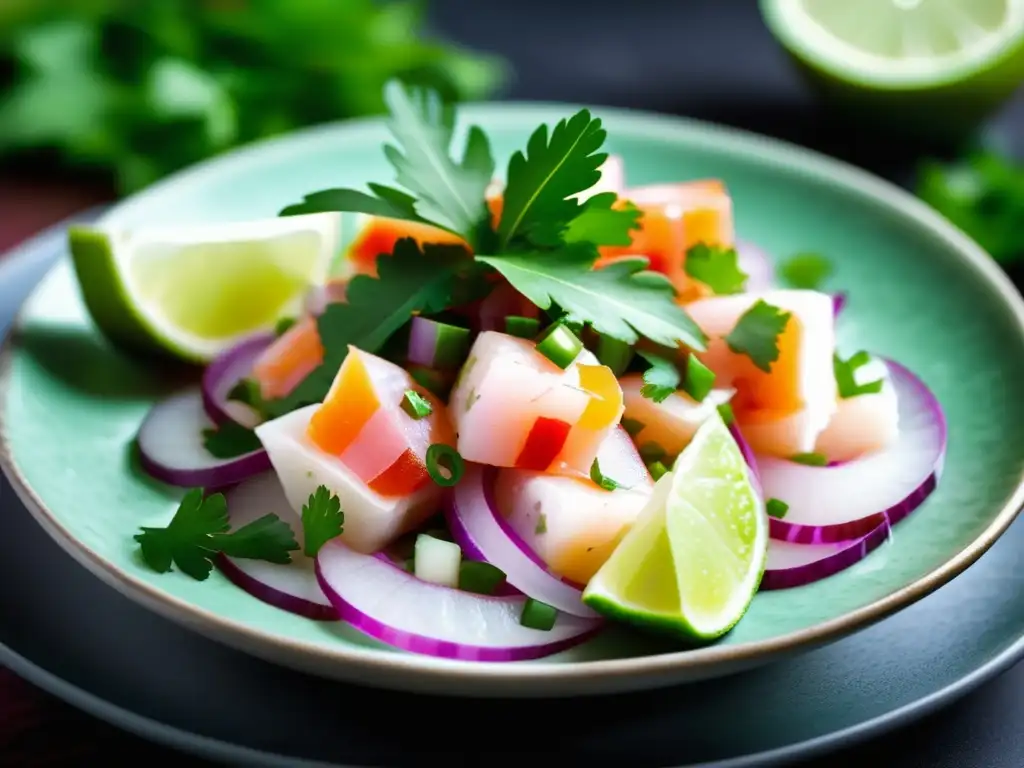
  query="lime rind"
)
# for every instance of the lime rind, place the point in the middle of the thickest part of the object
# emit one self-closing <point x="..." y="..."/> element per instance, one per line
<point x="139" y="302"/>
<point x="994" y="55"/>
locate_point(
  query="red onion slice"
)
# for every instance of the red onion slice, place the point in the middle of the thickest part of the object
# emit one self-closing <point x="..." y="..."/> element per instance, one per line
<point x="479" y="528"/>
<point x="291" y="587"/>
<point x="838" y="303"/>
<point x="757" y="265"/>
<point x="224" y="373"/>
<point x="794" y="565"/>
<point x="171" y="447"/>
<point x="849" y="500"/>
<point x="393" y="606"/>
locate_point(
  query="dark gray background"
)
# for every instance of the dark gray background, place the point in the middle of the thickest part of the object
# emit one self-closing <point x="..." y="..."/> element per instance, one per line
<point x="715" y="60"/>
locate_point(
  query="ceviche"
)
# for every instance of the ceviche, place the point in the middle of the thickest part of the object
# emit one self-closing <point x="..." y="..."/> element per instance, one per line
<point x="513" y="410"/>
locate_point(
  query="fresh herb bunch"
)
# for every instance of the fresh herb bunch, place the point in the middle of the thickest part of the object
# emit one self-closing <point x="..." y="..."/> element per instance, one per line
<point x="983" y="195"/>
<point x="145" y="88"/>
<point x="545" y="242"/>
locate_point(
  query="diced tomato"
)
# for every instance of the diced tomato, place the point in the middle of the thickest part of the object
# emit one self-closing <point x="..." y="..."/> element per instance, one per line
<point x="286" y="362"/>
<point x="543" y="444"/>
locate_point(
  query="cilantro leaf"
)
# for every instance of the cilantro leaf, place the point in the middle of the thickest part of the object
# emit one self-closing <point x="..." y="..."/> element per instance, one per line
<point x="756" y="335"/>
<point x="718" y="268"/>
<point x="410" y="280"/>
<point x="602" y="224"/>
<point x="621" y="300"/>
<point x="846" y="379"/>
<point x="247" y="392"/>
<point x="187" y="541"/>
<point x="230" y="440"/>
<point x="352" y="201"/>
<point x="661" y="379"/>
<point x="322" y="520"/>
<point x="806" y="270"/>
<point x="448" y="194"/>
<point x="267" y="538"/>
<point x="601" y="480"/>
<point x="543" y="179"/>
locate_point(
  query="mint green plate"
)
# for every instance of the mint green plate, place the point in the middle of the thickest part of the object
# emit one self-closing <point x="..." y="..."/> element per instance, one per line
<point x="920" y="292"/>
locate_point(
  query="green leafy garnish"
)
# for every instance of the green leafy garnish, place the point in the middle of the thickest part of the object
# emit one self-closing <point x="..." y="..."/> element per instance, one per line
<point x="808" y="271"/>
<point x="621" y="300"/>
<point x="846" y="379"/>
<point x="756" y="335"/>
<point x="716" y="267"/>
<point x="661" y="379"/>
<point x="725" y="411"/>
<point x="230" y="440"/>
<point x="538" y="200"/>
<point x="652" y="451"/>
<point x="199" y="531"/>
<point x="699" y="379"/>
<point x="657" y="469"/>
<point x="600" y="479"/>
<point x="982" y="194"/>
<point x="322" y="520"/>
<point x="283" y="326"/>
<point x="416" y="405"/>
<point x="247" y="392"/>
<point x="776" y="508"/>
<point x="542" y="524"/>
<point x="409" y="280"/>
<point x="633" y="427"/>
<point x="601" y="224"/>
<point x="810" y="459"/>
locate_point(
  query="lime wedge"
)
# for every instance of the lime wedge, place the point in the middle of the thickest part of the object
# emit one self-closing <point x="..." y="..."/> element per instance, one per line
<point x="694" y="559"/>
<point x="192" y="292"/>
<point x="959" y="58"/>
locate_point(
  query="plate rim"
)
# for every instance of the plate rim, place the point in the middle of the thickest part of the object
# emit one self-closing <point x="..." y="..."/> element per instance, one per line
<point x="577" y="677"/>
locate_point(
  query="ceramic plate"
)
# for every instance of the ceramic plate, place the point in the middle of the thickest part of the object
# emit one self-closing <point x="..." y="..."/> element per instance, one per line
<point x="920" y="292"/>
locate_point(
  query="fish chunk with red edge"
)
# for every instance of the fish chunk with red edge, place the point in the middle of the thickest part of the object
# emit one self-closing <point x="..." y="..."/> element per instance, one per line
<point x="783" y="410"/>
<point x="366" y="448"/>
<point x="513" y="407"/>
<point x="568" y="520"/>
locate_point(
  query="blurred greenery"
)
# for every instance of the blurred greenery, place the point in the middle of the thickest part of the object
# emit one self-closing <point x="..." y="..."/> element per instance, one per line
<point x="140" y="88"/>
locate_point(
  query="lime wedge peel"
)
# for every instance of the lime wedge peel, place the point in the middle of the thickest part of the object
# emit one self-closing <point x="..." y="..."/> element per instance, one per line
<point x="903" y="43"/>
<point x="694" y="559"/>
<point x="192" y="292"/>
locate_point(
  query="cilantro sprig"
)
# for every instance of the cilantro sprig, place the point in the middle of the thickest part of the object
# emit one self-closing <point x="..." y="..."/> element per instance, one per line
<point x="846" y="376"/>
<point x="200" y="530"/>
<point x="230" y="440"/>
<point x="718" y="268"/>
<point x="756" y="335"/>
<point x="545" y="243"/>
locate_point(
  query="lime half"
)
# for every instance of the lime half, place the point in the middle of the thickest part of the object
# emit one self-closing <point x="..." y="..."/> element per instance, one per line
<point x="192" y="292"/>
<point x="948" y="62"/>
<point x="694" y="559"/>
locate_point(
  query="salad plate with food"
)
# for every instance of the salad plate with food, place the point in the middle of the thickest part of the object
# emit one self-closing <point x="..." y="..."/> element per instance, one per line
<point x="519" y="400"/>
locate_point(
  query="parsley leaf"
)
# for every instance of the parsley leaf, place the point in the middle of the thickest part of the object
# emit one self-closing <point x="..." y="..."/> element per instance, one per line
<point x="846" y="379"/>
<point x="756" y="335"/>
<point x="230" y="440"/>
<point x="543" y="179"/>
<point x="718" y="268"/>
<point x="621" y="300"/>
<point x="661" y="379"/>
<point x="199" y="530"/>
<point x="602" y="224"/>
<point x="322" y="520"/>
<point x="806" y="270"/>
<point x="410" y="280"/>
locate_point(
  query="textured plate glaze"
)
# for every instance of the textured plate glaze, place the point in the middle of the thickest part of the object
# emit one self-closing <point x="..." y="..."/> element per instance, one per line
<point x="920" y="292"/>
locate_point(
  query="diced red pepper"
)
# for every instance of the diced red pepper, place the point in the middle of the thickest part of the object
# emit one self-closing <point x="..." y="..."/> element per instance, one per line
<point x="406" y="476"/>
<point x="546" y="439"/>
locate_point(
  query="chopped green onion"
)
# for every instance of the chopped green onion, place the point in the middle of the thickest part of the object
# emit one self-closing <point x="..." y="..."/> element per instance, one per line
<point x="652" y="452"/>
<point x="538" y="615"/>
<point x="283" y="326"/>
<point x="559" y="345"/>
<point x="776" y="508"/>
<point x="443" y="457"/>
<point x="479" y="577"/>
<point x="542" y="524"/>
<point x="435" y="382"/>
<point x="810" y="459"/>
<point x="522" y="327"/>
<point x="657" y="470"/>
<point x="600" y="479"/>
<point x="452" y="345"/>
<point x="417" y="406"/>
<point x="699" y="379"/>
<point x="632" y="426"/>
<point x="725" y="411"/>
<point x="616" y="354"/>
